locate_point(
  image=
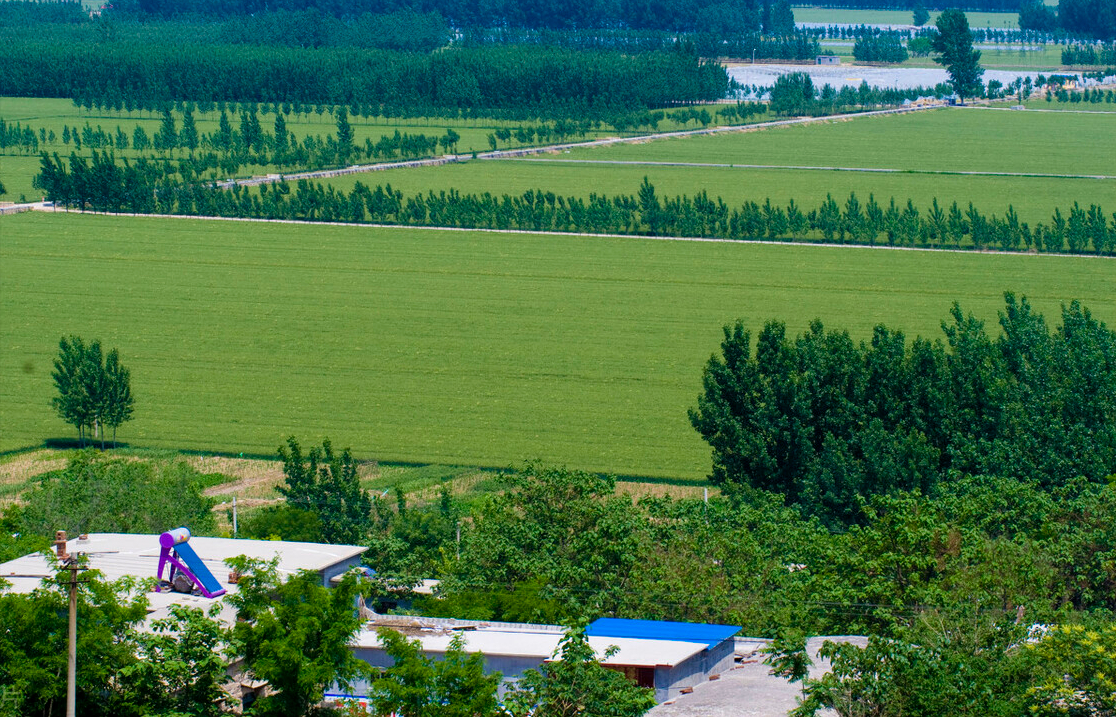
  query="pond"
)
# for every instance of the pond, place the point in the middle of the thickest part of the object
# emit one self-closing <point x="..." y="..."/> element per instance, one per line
<point x="838" y="76"/>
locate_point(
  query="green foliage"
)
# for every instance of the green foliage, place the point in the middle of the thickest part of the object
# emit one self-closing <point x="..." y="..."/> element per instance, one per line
<point x="33" y="634"/>
<point x="826" y="422"/>
<point x="94" y="390"/>
<point x="295" y="634"/>
<point x="957" y="664"/>
<point x="564" y="528"/>
<point x="954" y="45"/>
<point x="327" y="485"/>
<point x="419" y="686"/>
<point x="1075" y="671"/>
<point x="98" y="494"/>
<point x="412" y="541"/>
<point x="920" y="16"/>
<point x="788" y="657"/>
<point x="282" y="522"/>
<point x="15" y="543"/>
<point x="575" y="683"/>
<point x="182" y="665"/>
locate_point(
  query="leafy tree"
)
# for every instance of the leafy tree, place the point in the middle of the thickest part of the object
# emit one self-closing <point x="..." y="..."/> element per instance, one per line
<point x="295" y="634"/>
<point x="33" y="634"/>
<point x="182" y="666"/>
<point x="953" y="43"/>
<point x="344" y="135"/>
<point x="188" y="137"/>
<point x="118" y="401"/>
<point x="953" y="663"/>
<point x="167" y="136"/>
<point x="563" y="528"/>
<point x="1037" y="15"/>
<point x="920" y="16"/>
<point x="419" y="686"/>
<point x="98" y="494"/>
<point x="94" y="390"/>
<point x="575" y="683"/>
<point x="326" y="484"/>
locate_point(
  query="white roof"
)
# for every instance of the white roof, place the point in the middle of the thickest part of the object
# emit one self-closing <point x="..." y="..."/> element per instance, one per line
<point x="543" y="645"/>
<point x="118" y="555"/>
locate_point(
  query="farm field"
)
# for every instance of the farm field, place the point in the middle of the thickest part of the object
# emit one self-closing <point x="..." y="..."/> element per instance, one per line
<point x="446" y="347"/>
<point x="836" y="16"/>
<point x="961" y="139"/>
<point x="1034" y="199"/>
<point x="980" y="140"/>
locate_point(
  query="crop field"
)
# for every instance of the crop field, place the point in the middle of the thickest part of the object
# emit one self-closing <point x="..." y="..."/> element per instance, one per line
<point x="17" y="171"/>
<point x="918" y="144"/>
<point x="465" y="348"/>
<point x="850" y="16"/>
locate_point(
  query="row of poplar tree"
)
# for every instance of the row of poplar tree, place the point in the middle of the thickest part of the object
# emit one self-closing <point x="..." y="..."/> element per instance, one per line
<point x="103" y="185"/>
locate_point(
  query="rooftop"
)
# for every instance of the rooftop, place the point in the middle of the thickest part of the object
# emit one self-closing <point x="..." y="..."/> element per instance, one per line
<point x="118" y="555"/>
<point x="708" y="635"/>
<point x="533" y="641"/>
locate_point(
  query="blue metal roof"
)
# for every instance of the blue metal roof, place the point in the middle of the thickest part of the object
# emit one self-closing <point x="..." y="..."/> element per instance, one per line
<point x="662" y="630"/>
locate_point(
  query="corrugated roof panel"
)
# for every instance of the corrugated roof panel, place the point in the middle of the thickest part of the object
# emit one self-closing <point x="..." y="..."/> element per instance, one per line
<point x="662" y="630"/>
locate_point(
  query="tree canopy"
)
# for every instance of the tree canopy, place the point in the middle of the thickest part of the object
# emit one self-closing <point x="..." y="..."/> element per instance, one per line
<point x="953" y="44"/>
<point x="94" y="389"/>
<point x="826" y="421"/>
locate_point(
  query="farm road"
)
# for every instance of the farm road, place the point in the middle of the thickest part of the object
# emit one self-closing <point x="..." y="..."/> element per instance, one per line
<point x="527" y="151"/>
<point x="882" y="170"/>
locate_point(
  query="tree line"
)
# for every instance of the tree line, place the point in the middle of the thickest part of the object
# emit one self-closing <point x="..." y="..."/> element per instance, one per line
<point x="794" y="95"/>
<point x="103" y="185"/>
<point x="530" y="81"/>
<point x="827" y="422"/>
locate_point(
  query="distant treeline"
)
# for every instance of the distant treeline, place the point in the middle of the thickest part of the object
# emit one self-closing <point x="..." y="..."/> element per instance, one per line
<point x="792" y="45"/>
<point x="795" y="95"/>
<point x="714" y="16"/>
<point x="885" y="47"/>
<point x="141" y="187"/>
<point x="538" y="82"/>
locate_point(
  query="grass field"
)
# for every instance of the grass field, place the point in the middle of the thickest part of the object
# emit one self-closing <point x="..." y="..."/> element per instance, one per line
<point x="943" y="140"/>
<point x="839" y="16"/>
<point x="439" y="347"/>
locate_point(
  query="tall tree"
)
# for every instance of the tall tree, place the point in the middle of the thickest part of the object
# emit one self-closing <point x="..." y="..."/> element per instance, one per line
<point x="93" y="391"/>
<point x="295" y="634"/>
<point x="420" y="686"/>
<point x="954" y="44"/>
<point x="327" y="484"/>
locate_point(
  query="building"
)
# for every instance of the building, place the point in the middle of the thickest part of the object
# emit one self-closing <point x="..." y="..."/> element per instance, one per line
<point x="119" y="555"/>
<point x="828" y="60"/>
<point x="666" y="656"/>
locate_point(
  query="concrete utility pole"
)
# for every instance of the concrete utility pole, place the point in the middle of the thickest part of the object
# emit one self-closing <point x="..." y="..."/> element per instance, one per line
<point x="70" y="562"/>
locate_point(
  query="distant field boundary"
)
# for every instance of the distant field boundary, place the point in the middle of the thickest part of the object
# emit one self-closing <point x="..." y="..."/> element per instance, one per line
<point x="42" y="207"/>
<point x="547" y="149"/>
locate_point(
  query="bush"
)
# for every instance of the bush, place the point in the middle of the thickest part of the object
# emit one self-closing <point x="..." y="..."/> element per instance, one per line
<point x="98" y="494"/>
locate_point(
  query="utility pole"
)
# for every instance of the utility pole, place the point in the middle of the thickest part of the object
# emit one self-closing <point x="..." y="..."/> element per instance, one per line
<point x="70" y="563"/>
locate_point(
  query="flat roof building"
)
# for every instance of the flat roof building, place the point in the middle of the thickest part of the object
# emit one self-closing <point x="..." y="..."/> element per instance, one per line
<point x="118" y="555"/>
<point x="667" y="657"/>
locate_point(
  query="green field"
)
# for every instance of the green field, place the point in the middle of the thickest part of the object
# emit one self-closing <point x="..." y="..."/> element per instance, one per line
<point x="941" y="140"/>
<point x="837" y="16"/>
<point x="426" y="346"/>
